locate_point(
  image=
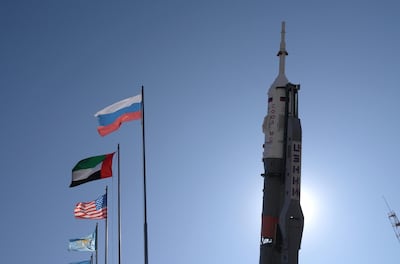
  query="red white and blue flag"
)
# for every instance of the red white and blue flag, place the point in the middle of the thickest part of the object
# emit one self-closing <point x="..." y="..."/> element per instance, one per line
<point x="96" y="209"/>
<point x="111" y="117"/>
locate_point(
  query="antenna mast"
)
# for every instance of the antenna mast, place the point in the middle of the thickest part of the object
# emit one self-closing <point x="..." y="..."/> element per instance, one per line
<point x="393" y="220"/>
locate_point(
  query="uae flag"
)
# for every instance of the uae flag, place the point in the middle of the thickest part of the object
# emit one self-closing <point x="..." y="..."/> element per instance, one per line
<point x="93" y="168"/>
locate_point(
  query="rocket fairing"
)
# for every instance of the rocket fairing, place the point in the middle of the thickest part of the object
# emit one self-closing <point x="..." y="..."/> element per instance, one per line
<point x="282" y="217"/>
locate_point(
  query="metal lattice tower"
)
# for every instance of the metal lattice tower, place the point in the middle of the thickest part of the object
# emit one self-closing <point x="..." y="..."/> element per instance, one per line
<point x="394" y="221"/>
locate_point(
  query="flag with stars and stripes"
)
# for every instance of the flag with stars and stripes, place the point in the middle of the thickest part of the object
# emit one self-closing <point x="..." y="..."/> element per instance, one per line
<point x="96" y="209"/>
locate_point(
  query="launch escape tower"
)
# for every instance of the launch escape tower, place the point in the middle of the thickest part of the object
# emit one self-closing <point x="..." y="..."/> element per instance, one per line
<point x="282" y="217"/>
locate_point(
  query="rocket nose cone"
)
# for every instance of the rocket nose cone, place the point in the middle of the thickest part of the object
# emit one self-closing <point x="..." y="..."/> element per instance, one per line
<point x="280" y="81"/>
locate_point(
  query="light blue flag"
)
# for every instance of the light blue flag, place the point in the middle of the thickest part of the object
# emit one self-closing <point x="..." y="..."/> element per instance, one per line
<point x="82" y="262"/>
<point x="87" y="243"/>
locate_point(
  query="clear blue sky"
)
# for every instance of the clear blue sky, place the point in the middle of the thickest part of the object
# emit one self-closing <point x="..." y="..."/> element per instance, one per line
<point x="206" y="67"/>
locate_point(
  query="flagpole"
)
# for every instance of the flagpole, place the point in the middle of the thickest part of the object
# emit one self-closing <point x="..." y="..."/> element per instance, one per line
<point x="119" y="209"/>
<point x="144" y="186"/>
<point x="106" y="234"/>
<point x="97" y="255"/>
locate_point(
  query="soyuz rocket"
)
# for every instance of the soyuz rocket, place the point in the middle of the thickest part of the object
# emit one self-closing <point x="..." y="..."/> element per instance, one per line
<point x="282" y="218"/>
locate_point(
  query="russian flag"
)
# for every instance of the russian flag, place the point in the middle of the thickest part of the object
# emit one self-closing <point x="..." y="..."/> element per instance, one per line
<point x="111" y="117"/>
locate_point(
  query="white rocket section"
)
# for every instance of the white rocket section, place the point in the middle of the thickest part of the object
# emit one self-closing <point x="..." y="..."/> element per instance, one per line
<point x="274" y="122"/>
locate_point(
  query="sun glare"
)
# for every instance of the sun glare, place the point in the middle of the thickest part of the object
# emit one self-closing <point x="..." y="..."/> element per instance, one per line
<point x="309" y="204"/>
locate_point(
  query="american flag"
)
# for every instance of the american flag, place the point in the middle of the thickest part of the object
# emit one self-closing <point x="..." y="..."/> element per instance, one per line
<point x="92" y="210"/>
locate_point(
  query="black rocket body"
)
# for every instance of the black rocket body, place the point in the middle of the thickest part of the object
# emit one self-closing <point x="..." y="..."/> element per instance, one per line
<point x="282" y="217"/>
